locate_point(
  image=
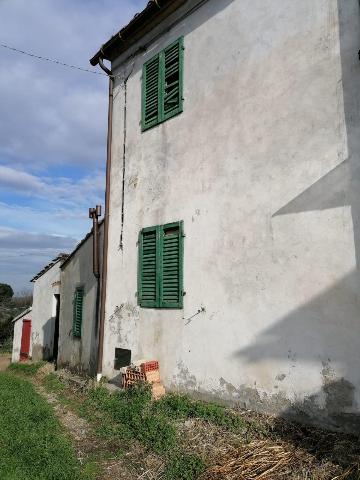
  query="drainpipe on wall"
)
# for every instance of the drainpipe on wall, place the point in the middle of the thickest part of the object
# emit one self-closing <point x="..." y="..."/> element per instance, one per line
<point x="106" y="224"/>
<point x="94" y="214"/>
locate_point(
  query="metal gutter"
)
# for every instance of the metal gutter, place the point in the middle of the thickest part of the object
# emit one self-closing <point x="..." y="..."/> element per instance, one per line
<point x="106" y="225"/>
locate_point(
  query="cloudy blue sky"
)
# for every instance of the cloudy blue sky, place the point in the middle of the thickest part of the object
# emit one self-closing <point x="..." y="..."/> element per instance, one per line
<point x="52" y="127"/>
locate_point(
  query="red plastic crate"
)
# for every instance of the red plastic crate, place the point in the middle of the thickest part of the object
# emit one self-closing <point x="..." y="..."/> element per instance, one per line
<point x="149" y="366"/>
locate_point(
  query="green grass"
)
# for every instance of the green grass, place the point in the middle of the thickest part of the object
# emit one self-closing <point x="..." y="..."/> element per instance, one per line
<point x="179" y="406"/>
<point x="52" y="383"/>
<point x="133" y="415"/>
<point x="32" y="445"/>
<point x="127" y="414"/>
<point x="184" y="467"/>
<point x="27" y="369"/>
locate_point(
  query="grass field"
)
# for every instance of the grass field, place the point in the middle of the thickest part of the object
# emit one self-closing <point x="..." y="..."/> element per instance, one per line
<point x="32" y="445"/>
<point x="127" y="435"/>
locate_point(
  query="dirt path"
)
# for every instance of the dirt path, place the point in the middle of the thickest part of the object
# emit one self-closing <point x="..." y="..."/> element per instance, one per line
<point x="5" y="360"/>
<point x="88" y="447"/>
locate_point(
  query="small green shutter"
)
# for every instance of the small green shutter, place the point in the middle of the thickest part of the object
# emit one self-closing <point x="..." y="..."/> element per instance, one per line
<point x="78" y="312"/>
<point x="173" y="64"/>
<point x="151" y="92"/>
<point x="148" y="285"/>
<point x="171" y="248"/>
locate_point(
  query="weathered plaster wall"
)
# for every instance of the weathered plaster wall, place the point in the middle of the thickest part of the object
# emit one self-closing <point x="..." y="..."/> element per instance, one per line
<point x="44" y="312"/>
<point x="15" y="357"/>
<point x="79" y="354"/>
<point x="263" y="167"/>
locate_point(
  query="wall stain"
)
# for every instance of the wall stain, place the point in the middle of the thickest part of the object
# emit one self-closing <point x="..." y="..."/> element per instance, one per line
<point x="119" y="318"/>
<point x="184" y="378"/>
<point x="331" y="407"/>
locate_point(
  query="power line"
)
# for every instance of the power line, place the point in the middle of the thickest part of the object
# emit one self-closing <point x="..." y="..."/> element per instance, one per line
<point x="39" y="57"/>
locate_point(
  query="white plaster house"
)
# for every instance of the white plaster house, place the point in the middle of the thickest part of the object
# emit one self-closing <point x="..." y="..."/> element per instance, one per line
<point x="36" y="330"/>
<point x="45" y="311"/>
<point x="22" y="336"/>
<point x="80" y="291"/>
<point x="240" y="120"/>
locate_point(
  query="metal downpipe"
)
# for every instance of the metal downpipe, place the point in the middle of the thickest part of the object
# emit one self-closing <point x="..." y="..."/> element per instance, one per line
<point x="106" y="224"/>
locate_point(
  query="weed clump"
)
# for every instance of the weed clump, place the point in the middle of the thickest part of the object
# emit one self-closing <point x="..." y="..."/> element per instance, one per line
<point x="52" y="383"/>
<point x="133" y="416"/>
<point x="28" y="369"/>
<point x="184" y="467"/>
<point x="181" y="406"/>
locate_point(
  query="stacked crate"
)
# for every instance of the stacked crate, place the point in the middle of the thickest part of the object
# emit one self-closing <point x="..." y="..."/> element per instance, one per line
<point x="144" y="372"/>
<point x="131" y="375"/>
<point x="152" y="375"/>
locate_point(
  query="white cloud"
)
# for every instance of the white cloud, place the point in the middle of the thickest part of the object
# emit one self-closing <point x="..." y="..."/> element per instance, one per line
<point x="52" y="119"/>
<point x="17" y="180"/>
<point x="59" y="191"/>
<point x="11" y="239"/>
<point x="53" y="114"/>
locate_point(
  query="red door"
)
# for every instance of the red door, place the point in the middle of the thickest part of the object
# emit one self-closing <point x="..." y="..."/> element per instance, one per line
<point x="25" y="340"/>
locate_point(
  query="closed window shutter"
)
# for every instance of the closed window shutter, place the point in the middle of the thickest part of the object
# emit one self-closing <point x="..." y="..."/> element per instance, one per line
<point x="171" y="254"/>
<point x="151" y="93"/>
<point x="172" y="81"/>
<point x="148" y="262"/>
<point x="162" y="85"/>
<point x="78" y="312"/>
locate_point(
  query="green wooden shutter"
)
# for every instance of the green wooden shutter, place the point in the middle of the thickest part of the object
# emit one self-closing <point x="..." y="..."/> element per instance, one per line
<point x="151" y="86"/>
<point x="162" y="85"/>
<point x="171" y="271"/>
<point x="172" y="84"/>
<point x="148" y="266"/>
<point x="78" y="312"/>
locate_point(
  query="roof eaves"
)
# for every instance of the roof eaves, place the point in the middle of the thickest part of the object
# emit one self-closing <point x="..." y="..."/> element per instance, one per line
<point x="79" y="245"/>
<point x="22" y="314"/>
<point x="143" y="22"/>
<point x="59" y="258"/>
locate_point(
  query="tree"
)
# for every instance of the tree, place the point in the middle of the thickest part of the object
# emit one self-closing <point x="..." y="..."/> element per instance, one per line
<point x="6" y="292"/>
<point x="10" y="307"/>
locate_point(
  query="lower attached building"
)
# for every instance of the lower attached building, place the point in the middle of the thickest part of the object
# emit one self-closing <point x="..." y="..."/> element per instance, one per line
<point x="79" y="311"/>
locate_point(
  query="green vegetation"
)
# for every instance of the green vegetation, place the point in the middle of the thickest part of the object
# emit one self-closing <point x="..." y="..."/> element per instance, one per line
<point x="181" y="406"/>
<point x="52" y="383"/>
<point x="137" y="434"/>
<point x="31" y="442"/>
<point x="6" y="291"/>
<point x="184" y="467"/>
<point x="27" y="369"/>
<point x="128" y="414"/>
<point x="133" y="415"/>
<point x="10" y="307"/>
